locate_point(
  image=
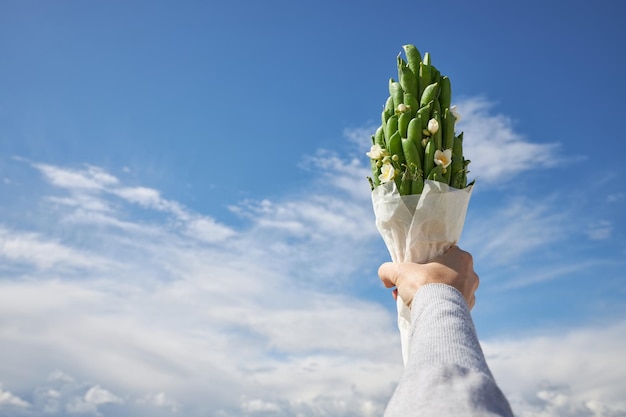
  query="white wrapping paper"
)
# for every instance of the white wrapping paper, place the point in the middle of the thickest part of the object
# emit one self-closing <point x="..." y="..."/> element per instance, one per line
<point x="418" y="228"/>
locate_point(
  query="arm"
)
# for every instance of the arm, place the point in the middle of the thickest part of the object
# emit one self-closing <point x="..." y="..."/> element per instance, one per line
<point x="446" y="374"/>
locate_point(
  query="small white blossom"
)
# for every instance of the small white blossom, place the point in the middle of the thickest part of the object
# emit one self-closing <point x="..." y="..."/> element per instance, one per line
<point x="376" y="152"/>
<point x="402" y="108"/>
<point x="443" y="158"/>
<point x="386" y="173"/>
<point x="433" y="126"/>
<point x="457" y="116"/>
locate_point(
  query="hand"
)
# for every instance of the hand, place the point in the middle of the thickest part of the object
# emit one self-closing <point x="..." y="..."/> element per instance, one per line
<point x="454" y="268"/>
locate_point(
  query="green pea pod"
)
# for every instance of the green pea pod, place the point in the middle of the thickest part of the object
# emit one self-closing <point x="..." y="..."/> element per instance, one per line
<point x="395" y="90"/>
<point x="457" y="167"/>
<point x="438" y="135"/>
<point x="418" y="184"/>
<point x="424" y="114"/>
<point x="445" y="93"/>
<point x="427" y="59"/>
<point x="408" y="80"/>
<point x="430" y="93"/>
<point x="446" y="175"/>
<point x="437" y="106"/>
<point x="391" y="128"/>
<point x="435" y="74"/>
<point x="429" y="156"/>
<point x="406" y="184"/>
<point x="410" y="154"/>
<point x="414" y="132"/>
<point x="395" y="147"/>
<point x="436" y="174"/>
<point x="384" y="116"/>
<point x="413" y="57"/>
<point x="411" y="101"/>
<point x="457" y="180"/>
<point x="403" y="123"/>
<point x="448" y="129"/>
<point x="379" y="137"/>
<point x="389" y="109"/>
<point x="425" y="78"/>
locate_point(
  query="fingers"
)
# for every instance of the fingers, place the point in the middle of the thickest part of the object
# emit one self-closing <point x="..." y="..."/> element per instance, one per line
<point x="388" y="274"/>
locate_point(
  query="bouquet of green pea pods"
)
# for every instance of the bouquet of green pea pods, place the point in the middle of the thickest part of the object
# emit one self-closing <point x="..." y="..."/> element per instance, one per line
<point x="419" y="173"/>
<point x="416" y="140"/>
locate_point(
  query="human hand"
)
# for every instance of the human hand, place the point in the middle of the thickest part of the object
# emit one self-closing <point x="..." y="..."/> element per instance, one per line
<point x="454" y="268"/>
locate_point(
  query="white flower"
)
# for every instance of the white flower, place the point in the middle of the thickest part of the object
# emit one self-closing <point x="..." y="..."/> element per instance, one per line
<point x="376" y="152"/>
<point x="443" y="158"/>
<point x="457" y="116"/>
<point x="433" y="126"/>
<point x="386" y="173"/>
<point x="402" y="108"/>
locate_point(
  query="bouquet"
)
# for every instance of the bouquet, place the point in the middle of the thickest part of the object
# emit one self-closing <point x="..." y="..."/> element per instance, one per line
<point x="419" y="173"/>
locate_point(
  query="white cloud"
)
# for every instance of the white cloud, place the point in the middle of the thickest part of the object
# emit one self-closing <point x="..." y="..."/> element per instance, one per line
<point x="7" y="399"/>
<point x="507" y="231"/>
<point x="572" y="374"/>
<point x="98" y="395"/>
<point x="203" y="323"/>
<point x="91" y="178"/>
<point x="183" y="314"/>
<point x="160" y="400"/>
<point x="34" y="249"/>
<point x="496" y="150"/>
<point x="600" y="230"/>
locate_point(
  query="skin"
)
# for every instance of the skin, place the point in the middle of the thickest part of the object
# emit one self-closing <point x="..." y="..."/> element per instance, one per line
<point x="454" y="268"/>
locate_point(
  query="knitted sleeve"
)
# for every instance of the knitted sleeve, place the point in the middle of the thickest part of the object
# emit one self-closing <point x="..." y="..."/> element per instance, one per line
<point x="446" y="374"/>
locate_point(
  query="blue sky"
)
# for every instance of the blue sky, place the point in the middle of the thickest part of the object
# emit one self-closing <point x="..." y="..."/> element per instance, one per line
<point x="186" y="228"/>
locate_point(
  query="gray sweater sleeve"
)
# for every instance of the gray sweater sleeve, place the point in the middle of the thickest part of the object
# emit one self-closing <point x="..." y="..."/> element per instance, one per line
<point x="446" y="373"/>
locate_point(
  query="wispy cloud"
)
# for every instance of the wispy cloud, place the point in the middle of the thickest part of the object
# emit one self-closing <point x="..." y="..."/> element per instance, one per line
<point x="144" y="306"/>
<point x="515" y="226"/>
<point x="496" y="150"/>
<point x="173" y="323"/>
<point x="574" y="374"/>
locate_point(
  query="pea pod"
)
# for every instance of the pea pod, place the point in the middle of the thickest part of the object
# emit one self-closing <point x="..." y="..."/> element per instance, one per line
<point x="427" y="59"/>
<point x="379" y="137"/>
<point x="457" y="166"/>
<point x="395" y="147"/>
<point x="418" y="184"/>
<point x="414" y="132"/>
<point x="411" y="155"/>
<point x="408" y="80"/>
<point x="429" y="94"/>
<point x="448" y="129"/>
<point x="424" y="114"/>
<point x="429" y="156"/>
<point x="406" y="184"/>
<point x="384" y="116"/>
<point x="411" y="101"/>
<point x="435" y="74"/>
<point x="413" y="57"/>
<point x="389" y="109"/>
<point x="425" y="78"/>
<point x="391" y="128"/>
<point x="436" y="174"/>
<point x="395" y="90"/>
<point x="459" y="179"/>
<point x="403" y="123"/>
<point x="437" y="135"/>
<point x="447" y="173"/>
<point x="445" y="93"/>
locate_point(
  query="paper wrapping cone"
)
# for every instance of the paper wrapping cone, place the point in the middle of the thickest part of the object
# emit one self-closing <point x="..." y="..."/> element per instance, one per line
<point x="418" y="228"/>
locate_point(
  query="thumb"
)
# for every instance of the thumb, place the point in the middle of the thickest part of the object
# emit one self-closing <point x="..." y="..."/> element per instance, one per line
<point x="388" y="273"/>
